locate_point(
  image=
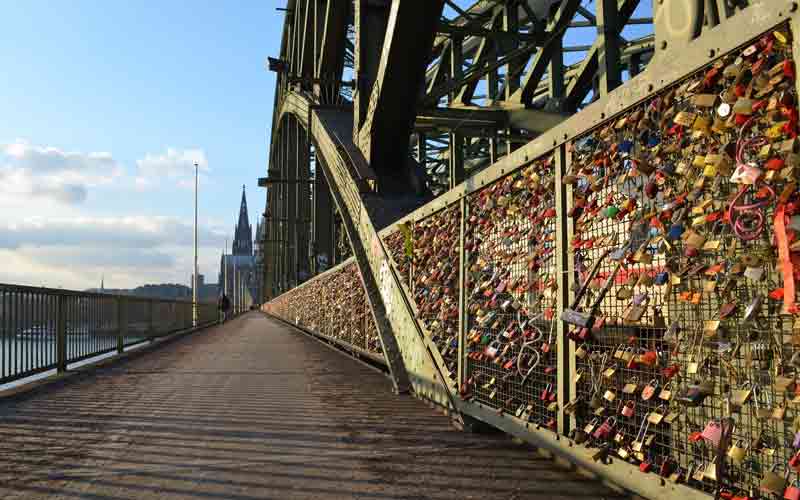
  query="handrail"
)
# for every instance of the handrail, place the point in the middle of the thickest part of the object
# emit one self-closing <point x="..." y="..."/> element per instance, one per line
<point x="43" y="329"/>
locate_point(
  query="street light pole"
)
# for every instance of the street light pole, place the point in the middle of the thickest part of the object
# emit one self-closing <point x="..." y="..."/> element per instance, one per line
<point x="194" y="285"/>
<point x="225" y="270"/>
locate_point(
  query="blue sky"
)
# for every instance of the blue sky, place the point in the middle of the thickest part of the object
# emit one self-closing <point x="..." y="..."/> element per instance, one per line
<point x="109" y="103"/>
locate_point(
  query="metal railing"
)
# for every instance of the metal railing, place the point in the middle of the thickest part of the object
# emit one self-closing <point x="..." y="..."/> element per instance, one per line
<point x="333" y="306"/>
<point x="43" y="329"/>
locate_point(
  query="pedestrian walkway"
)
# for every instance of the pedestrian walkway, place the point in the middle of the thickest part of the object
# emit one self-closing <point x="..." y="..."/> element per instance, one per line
<point x="255" y="410"/>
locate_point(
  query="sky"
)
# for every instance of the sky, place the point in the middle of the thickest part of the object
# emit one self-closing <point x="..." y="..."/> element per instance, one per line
<point x="105" y="107"/>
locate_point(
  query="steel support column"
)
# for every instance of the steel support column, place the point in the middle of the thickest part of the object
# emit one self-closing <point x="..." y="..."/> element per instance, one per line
<point x="303" y="204"/>
<point x="371" y="17"/>
<point x="384" y="131"/>
<point x="608" y="29"/>
<point x="292" y="152"/>
<point x="322" y="219"/>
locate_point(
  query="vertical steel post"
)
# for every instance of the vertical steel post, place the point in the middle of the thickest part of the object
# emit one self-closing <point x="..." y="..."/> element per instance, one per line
<point x="150" y="319"/>
<point x="462" y="295"/>
<point x="122" y="323"/>
<point x="566" y="349"/>
<point x="195" y="281"/>
<point x="61" y="334"/>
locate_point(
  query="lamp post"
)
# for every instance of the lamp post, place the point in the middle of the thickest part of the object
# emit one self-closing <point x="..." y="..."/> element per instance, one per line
<point x="195" y="280"/>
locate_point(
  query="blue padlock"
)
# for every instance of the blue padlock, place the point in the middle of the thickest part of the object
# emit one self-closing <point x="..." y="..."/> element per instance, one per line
<point x="675" y="231"/>
<point x="661" y="278"/>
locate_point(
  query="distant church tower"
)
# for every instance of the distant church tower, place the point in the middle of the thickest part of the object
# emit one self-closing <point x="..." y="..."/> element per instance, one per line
<point x="243" y="238"/>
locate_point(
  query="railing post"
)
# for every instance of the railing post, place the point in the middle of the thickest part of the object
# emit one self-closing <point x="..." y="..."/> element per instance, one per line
<point x="565" y="384"/>
<point x="61" y="334"/>
<point x="150" y="310"/>
<point x="462" y="296"/>
<point x="122" y="319"/>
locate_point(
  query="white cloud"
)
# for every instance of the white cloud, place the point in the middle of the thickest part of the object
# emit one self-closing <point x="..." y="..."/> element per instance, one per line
<point x="129" y="251"/>
<point x="111" y="232"/>
<point x="175" y="166"/>
<point x="53" y="174"/>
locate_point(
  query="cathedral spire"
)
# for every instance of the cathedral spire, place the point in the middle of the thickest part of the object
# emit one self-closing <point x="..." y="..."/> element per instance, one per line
<point x="243" y="239"/>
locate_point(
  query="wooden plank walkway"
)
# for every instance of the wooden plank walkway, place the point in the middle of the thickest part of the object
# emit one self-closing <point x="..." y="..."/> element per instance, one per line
<point x="255" y="410"/>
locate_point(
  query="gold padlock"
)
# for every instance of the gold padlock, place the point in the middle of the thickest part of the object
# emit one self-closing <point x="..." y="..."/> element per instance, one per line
<point x="737" y="452"/>
<point x="772" y="482"/>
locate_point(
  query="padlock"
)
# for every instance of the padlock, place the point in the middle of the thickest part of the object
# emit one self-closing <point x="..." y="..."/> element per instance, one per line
<point x="632" y="386"/>
<point x="794" y="461"/>
<point x="492" y="349"/>
<point x="604" y="431"/>
<point x="773" y="482"/>
<point x="628" y="409"/>
<point x="580" y="436"/>
<point x="792" y="492"/>
<point x="712" y="433"/>
<point x="741" y="396"/>
<point x="546" y="392"/>
<point x="737" y="452"/>
<point x="588" y="428"/>
<point x="666" y="392"/>
<point x="609" y="395"/>
<point x="581" y="351"/>
<point x="649" y="390"/>
<point x="656" y="416"/>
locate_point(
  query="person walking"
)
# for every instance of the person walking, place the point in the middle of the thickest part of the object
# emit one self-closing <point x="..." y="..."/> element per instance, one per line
<point x="224" y="306"/>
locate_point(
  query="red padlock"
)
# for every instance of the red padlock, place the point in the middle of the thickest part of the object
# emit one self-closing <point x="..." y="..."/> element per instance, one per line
<point x="713" y="433"/>
<point x="649" y="358"/>
<point x="792" y="492"/>
<point x="628" y="409"/>
<point x="645" y="466"/>
<point x="794" y="462"/>
<point x="670" y="371"/>
<point x="546" y="393"/>
<point x="604" y="431"/>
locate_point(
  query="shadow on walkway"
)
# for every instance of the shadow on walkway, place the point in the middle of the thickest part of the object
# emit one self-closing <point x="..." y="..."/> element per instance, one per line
<point x="255" y="410"/>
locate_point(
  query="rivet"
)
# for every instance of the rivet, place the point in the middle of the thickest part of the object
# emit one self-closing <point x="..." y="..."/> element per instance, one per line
<point x="650" y="88"/>
<point x="793" y="7"/>
<point x="664" y="45"/>
<point x="711" y="53"/>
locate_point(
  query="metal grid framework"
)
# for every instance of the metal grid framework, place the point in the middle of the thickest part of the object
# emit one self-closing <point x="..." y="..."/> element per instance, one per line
<point x="436" y="265"/>
<point x="634" y="319"/>
<point x="397" y="247"/>
<point x="694" y="306"/>
<point x="333" y="305"/>
<point x="43" y="329"/>
<point x="511" y="284"/>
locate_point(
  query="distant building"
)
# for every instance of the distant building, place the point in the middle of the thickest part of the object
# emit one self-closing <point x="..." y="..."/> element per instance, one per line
<point x="206" y="292"/>
<point x="239" y="270"/>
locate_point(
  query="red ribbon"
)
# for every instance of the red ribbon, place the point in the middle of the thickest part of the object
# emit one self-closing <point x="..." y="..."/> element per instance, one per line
<point x="785" y="260"/>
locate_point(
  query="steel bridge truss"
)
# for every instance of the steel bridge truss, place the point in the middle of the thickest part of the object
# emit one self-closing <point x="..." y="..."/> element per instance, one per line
<point x="394" y="122"/>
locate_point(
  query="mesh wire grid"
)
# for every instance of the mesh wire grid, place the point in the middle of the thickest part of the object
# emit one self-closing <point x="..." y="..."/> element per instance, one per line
<point x="334" y="305"/>
<point x="696" y="304"/>
<point x="436" y="264"/>
<point x="511" y="287"/>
